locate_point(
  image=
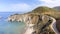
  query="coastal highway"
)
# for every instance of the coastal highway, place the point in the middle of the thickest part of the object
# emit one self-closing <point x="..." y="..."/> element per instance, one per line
<point x="53" y="25"/>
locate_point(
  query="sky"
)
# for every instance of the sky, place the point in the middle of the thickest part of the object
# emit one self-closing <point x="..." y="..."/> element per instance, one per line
<point x="25" y="5"/>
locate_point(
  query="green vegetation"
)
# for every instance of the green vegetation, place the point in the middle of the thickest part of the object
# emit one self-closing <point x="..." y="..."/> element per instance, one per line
<point x="43" y="9"/>
<point x="47" y="11"/>
<point x="51" y="33"/>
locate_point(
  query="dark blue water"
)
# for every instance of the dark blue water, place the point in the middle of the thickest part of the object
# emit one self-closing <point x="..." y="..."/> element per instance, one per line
<point x="10" y="27"/>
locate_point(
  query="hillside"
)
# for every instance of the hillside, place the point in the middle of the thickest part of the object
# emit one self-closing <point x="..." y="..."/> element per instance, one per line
<point x="35" y="16"/>
<point x="57" y="8"/>
<point x="43" y="9"/>
<point x="51" y="12"/>
<point x="47" y="11"/>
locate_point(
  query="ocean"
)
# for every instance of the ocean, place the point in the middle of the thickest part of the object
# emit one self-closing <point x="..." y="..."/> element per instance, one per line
<point x="10" y="27"/>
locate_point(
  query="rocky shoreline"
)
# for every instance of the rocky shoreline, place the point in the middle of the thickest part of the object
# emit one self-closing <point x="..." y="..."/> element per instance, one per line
<point x="24" y="17"/>
<point x="35" y="21"/>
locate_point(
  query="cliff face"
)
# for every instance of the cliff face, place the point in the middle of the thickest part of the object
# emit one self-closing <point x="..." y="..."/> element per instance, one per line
<point x="15" y="18"/>
<point x="27" y="17"/>
<point x="39" y="17"/>
<point x="38" y="20"/>
<point x="39" y="10"/>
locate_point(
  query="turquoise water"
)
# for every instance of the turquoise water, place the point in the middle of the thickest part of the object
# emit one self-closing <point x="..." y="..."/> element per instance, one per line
<point x="10" y="27"/>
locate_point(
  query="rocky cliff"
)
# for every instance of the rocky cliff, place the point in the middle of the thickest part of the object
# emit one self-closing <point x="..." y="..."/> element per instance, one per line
<point x="38" y="20"/>
<point x="39" y="17"/>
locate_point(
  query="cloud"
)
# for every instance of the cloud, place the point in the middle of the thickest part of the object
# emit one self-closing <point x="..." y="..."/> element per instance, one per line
<point x="27" y="6"/>
<point x="20" y="7"/>
<point x="15" y="7"/>
<point x="50" y="3"/>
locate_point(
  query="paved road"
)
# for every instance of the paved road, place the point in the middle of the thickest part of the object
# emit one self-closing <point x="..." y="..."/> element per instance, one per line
<point x="53" y="25"/>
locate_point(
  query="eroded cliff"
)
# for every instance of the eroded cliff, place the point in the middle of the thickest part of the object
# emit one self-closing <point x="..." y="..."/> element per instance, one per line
<point x="39" y="19"/>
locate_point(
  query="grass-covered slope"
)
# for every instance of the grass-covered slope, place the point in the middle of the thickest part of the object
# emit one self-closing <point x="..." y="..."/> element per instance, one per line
<point x="47" y="11"/>
<point x="43" y="9"/>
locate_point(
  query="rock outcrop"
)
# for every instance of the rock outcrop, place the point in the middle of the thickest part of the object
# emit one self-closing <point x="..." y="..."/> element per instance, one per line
<point x="38" y="20"/>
